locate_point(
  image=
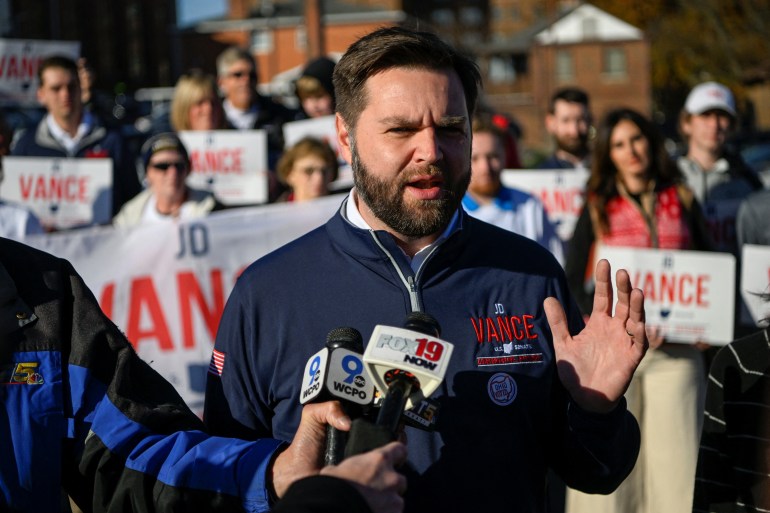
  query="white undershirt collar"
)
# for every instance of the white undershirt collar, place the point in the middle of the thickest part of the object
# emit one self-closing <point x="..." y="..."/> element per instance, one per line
<point x="354" y="216"/>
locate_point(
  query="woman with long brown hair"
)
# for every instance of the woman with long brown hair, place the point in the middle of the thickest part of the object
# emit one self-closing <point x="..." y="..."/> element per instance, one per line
<point x="636" y="198"/>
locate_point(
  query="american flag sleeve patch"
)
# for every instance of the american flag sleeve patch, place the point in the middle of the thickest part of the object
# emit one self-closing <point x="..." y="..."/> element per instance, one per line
<point x="217" y="363"/>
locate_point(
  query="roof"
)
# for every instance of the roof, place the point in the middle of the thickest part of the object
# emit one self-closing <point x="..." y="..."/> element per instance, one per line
<point x="587" y="23"/>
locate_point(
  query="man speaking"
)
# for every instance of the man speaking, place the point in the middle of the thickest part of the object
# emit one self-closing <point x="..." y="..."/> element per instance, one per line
<point x="528" y="386"/>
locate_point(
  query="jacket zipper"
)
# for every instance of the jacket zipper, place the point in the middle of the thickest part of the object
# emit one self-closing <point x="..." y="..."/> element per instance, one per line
<point x="410" y="282"/>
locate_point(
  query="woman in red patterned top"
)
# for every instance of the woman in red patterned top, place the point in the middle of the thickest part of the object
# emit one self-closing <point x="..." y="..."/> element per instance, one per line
<point x="636" y="198"/>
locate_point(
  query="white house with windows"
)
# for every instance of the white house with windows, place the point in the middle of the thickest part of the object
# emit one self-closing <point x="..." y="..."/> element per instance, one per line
<point x="584" y="47"/>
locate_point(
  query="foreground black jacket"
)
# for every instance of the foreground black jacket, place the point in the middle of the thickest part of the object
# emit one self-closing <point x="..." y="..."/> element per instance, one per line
<point x="80" y="411"/>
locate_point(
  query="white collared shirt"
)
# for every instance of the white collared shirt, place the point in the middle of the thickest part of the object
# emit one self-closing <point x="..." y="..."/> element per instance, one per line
<point x="240" y="119"/>
<point x="62" y="137"/>
<point x="354" y="216"/>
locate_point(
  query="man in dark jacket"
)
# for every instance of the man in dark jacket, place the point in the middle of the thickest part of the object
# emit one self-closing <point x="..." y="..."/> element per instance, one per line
<point x="69" y="131"/>
<point x="528" y="386"/>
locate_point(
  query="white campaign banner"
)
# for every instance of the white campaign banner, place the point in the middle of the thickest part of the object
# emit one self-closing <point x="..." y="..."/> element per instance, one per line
<point x="688" y="295"/>
<point x="165" y="285"/>
<point x="230" y="163"/>
<point x="19" y="61"/>
<point x="62" y="192"/>
<point x="755" y="280"/>
<point x="560" y="190"/>
<point x="321" y="128"/>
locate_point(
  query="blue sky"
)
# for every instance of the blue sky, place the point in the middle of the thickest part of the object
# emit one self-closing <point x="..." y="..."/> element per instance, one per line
<point x="189" y="12"/>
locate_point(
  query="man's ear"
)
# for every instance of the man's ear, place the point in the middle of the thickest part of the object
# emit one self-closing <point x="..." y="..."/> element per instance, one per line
<point x="550" y="122"/>
<point x="343" y="139"/>
<point x="39" y="95"/>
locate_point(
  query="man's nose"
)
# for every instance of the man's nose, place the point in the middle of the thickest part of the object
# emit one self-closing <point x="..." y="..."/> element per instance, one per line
<point x="428" y="146"/>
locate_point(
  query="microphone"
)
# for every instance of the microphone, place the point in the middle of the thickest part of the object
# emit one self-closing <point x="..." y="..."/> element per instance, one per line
<point x="408" y="364"/>
<point x="338" y="372"/>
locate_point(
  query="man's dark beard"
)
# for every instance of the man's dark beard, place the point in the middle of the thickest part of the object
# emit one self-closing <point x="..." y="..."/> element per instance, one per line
<point x="386" y="200"/>
<point x="577" y="147"/>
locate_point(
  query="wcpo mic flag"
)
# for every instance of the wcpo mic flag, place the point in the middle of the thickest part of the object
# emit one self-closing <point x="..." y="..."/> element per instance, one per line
<point x="338" y="372"/>
<point x="392" y="351"/>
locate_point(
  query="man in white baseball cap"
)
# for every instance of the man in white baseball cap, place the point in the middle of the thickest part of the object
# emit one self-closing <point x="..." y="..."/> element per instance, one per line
<point x="710" y="96"/>
<point x="719" y="178"/>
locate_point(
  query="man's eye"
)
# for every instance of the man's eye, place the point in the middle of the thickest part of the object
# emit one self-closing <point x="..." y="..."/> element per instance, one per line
<point x="453" y="130"/>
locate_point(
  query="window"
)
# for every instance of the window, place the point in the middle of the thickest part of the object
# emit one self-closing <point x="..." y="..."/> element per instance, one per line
<point x="443" y="17"/>
<point x="471" y="16"/>
<point x="564" y="66"/>
<point x="501" y="70"/>
<point x="615" y="65"/>
<point x="300" y="38"/>
<point x="262" y="41"/>
<point x="590" y="28"/>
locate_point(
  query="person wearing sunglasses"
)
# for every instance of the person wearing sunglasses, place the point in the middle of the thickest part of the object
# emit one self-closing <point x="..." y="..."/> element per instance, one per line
<point x="167" y="195"/>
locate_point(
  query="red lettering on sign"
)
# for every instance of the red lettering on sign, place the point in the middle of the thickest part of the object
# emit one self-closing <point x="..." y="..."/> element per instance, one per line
<point x="25" y="68"/>
<point x="224" y="161"/>
<point x="143" y="295"/>
<point x="189" y="291"/>
<point x="558" y="201"/>
<point x="702" y="291"/>
<point x="107" y="299"/>
<point x="72" y="189"/>
<point x="683" y="289"/>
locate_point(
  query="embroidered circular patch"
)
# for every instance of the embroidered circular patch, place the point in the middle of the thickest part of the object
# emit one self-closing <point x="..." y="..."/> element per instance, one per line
<point x="502" y="389"/>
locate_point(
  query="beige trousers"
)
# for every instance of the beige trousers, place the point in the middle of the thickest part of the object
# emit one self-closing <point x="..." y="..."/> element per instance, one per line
<point x="666" y="396"/>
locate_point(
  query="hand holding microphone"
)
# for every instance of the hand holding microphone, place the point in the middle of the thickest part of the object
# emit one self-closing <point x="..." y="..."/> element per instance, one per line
<point x="407" y="364"/>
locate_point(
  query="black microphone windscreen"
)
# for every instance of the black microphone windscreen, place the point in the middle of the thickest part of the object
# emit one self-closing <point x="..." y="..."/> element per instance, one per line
<point x="424" y="323"/>
<point x="349" y="338"/>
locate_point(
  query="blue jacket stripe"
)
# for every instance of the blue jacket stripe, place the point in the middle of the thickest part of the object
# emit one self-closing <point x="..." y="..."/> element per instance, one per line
<point x="189" y="459"/>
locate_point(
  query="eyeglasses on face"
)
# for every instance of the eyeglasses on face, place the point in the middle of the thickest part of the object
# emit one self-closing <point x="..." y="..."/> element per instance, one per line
<point x="163" y="166"/>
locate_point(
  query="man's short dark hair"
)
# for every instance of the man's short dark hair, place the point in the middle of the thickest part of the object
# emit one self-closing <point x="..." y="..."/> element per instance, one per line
<point x="568" y="94"/>
<point x="56" y="61"/>
<point x="396" y="47"/>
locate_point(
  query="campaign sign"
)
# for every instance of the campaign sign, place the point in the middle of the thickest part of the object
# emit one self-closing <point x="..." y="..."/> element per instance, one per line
<point x="19" y="61"/>
<point x="755" y="280"/>
<point x="322" y="128"/>
<point x="62" y="192"/>
<point x="165" y="284"/>
<point x="688" y="295"/>
<point x="560" y="190"/>
<point x="232" y="164"/>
